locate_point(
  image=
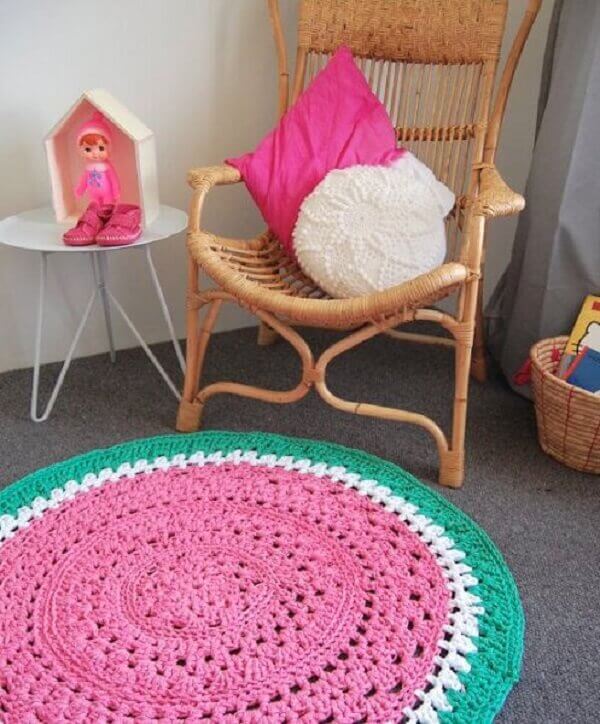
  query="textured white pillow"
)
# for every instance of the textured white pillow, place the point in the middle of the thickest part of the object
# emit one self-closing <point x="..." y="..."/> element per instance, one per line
<point x="367" y="228"/>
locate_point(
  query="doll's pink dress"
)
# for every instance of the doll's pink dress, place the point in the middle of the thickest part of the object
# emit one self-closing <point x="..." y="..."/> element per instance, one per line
<point x="100" y="182"/>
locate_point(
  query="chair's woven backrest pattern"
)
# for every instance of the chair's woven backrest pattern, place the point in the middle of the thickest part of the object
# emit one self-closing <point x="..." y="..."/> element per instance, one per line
<point x="439" y="114"/>
<point x="431" y="63"/>
<point x="422" y="31"/>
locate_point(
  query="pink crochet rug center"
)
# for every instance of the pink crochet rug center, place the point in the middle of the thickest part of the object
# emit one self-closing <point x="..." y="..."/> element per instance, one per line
<point x="223" y="591"/>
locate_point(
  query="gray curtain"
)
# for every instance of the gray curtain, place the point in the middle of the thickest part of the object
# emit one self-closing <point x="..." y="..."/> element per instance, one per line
<point x="556" y="254"/>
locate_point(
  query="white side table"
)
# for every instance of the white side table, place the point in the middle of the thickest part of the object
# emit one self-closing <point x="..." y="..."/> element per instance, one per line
<point x="38" y="231"/>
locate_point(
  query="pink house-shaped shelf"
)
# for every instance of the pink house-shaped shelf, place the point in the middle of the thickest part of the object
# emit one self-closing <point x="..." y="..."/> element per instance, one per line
<point x="132" y="154"/>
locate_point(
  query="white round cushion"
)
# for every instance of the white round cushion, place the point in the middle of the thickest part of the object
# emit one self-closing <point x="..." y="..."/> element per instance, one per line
<point x="367" y="228"/>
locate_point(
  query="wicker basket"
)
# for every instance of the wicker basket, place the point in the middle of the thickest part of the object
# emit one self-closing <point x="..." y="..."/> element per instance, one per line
<point x="568" y="418"/>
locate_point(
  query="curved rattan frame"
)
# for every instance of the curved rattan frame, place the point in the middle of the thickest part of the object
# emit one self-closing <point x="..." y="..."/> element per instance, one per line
<point x="256" y="274"/>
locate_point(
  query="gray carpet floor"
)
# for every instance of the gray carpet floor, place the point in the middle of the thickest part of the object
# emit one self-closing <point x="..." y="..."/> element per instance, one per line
<point x="544" y="517"/>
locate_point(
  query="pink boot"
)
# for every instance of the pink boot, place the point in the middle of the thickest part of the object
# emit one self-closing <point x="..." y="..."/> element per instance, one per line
<point x="123" y="227"/>
<point x="88" y="225"/>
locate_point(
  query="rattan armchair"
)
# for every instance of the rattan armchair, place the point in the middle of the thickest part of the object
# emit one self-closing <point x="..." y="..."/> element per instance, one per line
<point x="433" y="65"/>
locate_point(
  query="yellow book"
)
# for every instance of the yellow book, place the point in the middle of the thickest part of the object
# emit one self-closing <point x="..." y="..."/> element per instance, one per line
<point x="586" y="332"/>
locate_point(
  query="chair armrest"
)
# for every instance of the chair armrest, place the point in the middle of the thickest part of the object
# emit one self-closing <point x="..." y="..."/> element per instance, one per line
<point x="495" y="197"/>
<point x="202" y="180"/>
<point x="205" y="178"/>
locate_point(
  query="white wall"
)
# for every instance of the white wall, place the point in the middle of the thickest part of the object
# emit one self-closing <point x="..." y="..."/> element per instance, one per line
<point x="201" y="74"/>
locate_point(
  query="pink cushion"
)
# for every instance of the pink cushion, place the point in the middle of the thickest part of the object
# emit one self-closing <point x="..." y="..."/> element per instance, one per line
<point x="337" y="122"/>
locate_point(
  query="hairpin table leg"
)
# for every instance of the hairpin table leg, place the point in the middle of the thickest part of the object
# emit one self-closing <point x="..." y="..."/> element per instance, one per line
<point x="165" y="308"/>
<point x="99" y="265"/>
<point x="35" y="415"/>
<point x="149" y="353"/>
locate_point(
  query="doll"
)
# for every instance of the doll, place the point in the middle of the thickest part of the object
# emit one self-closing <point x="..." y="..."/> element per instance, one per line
<point x="99" y="180"/>
<point x="105" y="221"/>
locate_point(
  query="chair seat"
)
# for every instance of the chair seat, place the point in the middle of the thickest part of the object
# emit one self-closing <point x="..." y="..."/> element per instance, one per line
<point x="260" y="275"/>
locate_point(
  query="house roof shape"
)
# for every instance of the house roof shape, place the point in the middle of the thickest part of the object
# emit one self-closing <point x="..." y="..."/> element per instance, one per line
<point x="112" y="109"/>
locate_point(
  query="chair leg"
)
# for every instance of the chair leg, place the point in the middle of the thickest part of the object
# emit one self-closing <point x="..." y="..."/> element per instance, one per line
<point x="188" y="419"/>
<point x="478" y="362"/>
<point x="448" y="458"/>
<point x="189" y="416"/>
<point x="288" y="333"/>
<point x="452" y="462"/>
<point x="266" y="335"/>
<point x="190" y="410"/>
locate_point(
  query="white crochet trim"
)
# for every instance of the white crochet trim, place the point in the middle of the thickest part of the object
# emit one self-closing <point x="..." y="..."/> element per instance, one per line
<point x="462" y="626"/>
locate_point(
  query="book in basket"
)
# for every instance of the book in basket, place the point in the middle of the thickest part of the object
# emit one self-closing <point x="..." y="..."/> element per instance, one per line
<point x="585" y="333"/>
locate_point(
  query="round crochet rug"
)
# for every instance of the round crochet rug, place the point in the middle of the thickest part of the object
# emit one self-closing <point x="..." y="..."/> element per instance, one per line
<point x="247" y="578"/>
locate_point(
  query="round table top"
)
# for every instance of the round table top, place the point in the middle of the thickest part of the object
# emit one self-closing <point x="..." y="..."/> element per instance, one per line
<point x="38" y="230"/>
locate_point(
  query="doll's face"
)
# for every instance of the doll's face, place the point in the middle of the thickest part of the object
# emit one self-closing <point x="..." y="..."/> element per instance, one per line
<point x="96" y="151"/>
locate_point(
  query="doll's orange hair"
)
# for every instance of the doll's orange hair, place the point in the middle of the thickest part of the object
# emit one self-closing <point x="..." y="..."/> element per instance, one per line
<point x="92" y="139"/>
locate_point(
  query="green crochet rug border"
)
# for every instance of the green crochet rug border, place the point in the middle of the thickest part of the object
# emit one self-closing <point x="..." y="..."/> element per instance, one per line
<point x="496" y="665"/>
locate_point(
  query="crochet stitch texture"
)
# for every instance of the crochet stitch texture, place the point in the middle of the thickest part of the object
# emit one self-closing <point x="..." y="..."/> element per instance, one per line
<point x="247" y="577"/>
<point x="364" y="229"/>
